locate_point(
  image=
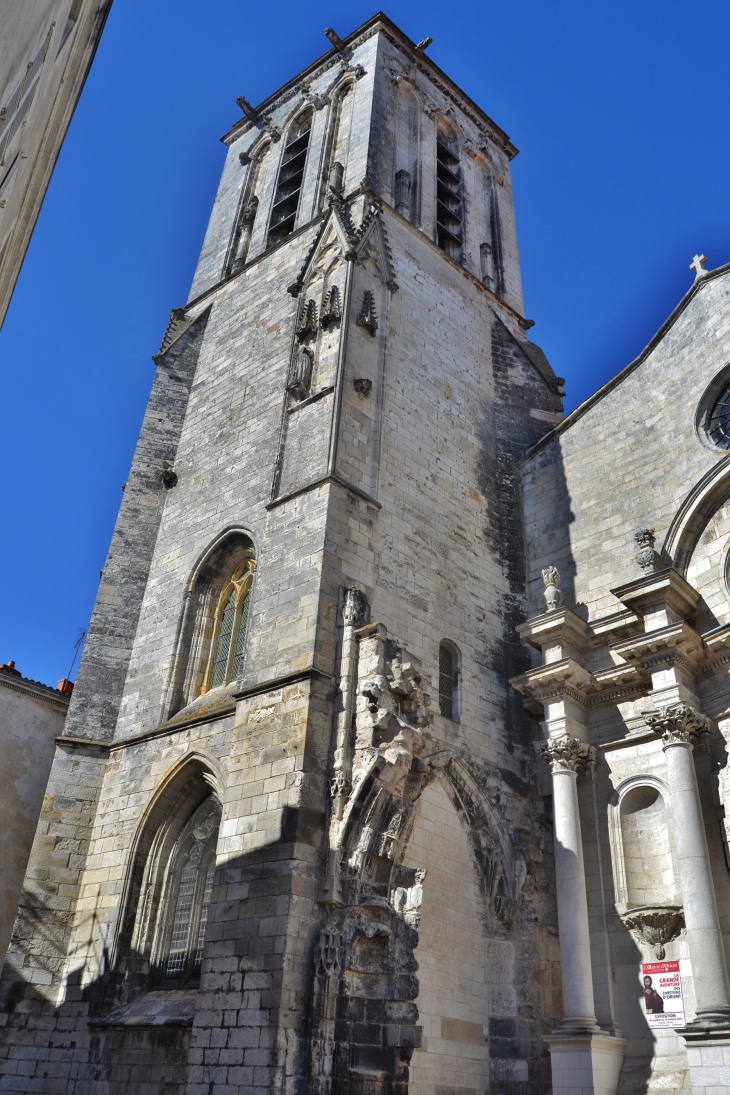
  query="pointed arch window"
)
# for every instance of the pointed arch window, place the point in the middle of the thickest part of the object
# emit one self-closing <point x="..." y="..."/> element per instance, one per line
<point x="449" y="681"/>
<point x="182" y="919"/>
<point x="449" y="204"/>
<point x="289" y="183"/>
<point x="229" y="629"/>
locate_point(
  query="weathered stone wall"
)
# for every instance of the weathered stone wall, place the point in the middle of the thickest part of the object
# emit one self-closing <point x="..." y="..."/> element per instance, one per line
<point x="637" y="456"/>
<point x="407" y="490"/>
<point x="31" y="716"/>
<point x="627" y="459"/>
<point x="45" y="53"/>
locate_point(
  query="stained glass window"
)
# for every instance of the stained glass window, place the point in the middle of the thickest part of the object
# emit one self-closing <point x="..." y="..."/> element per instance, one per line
<point x="184" y="914"/>
<point x="719" y="426"/>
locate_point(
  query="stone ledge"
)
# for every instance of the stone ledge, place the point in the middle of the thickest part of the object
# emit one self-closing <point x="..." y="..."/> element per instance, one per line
<point x="173" y="1008"/>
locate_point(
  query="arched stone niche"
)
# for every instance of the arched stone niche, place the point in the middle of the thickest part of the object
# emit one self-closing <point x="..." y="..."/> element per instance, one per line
<point x="642" y="852"/>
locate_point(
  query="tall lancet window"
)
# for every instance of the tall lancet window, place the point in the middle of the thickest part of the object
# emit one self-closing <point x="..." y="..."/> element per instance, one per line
<point x="178" y="950"/>
<point x="449" y="204"/>
<point x="289" y="183"/>
<point x="449" y="681"/>
<point x="229" y="629"/>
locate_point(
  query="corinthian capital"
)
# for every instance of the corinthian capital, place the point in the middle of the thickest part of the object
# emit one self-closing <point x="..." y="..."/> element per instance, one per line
<point x="566" y="754"/>
<point x="679" y="723"/>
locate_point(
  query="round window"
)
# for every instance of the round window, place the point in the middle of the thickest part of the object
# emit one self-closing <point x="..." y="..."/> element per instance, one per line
<point x="718" y="426"/>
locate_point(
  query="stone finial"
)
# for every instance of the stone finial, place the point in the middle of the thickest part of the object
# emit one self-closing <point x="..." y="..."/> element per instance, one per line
<point x="567" y="754"/>
<point x="678" y="723"/>
<point x="647" y="558"/>
<point x="553" y="597"/>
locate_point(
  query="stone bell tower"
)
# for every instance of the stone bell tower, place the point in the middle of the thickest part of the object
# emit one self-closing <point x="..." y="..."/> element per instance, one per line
<point x="293" y="838"/>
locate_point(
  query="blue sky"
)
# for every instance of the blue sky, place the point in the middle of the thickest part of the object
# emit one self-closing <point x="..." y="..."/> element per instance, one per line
<point x="621" y="114"/>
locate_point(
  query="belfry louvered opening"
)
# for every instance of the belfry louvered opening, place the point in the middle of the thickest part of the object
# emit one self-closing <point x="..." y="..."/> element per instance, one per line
<point x="449" y="207"/>
<point x="289" y="184"/>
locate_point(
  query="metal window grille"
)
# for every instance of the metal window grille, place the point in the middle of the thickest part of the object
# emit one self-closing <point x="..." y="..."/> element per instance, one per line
<point x="241" y="639"/>
<point x="207" y="891"/>
<point x="446" y="682"/>
<point x="224" y="642"/>
<point x="178" y="952"/>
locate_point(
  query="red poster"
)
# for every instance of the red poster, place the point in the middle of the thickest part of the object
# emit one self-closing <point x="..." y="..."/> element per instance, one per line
<point x="662" y="994"/>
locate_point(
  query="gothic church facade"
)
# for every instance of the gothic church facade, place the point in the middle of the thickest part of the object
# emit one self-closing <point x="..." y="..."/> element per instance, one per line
<point x="297" y="837"/>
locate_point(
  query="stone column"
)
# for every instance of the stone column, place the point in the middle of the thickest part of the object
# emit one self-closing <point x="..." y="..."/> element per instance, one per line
<point x="583" y="1056"/>
<point x="565" y="755"/>
<point x="680" y="727"/>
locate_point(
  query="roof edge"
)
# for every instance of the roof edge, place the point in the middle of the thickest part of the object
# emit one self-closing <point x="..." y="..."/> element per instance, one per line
<point x="587" y="404"/>
<point x="371" y="25"/>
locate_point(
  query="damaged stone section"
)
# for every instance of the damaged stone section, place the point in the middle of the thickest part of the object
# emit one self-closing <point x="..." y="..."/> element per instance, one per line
<point x="365" y="994"/>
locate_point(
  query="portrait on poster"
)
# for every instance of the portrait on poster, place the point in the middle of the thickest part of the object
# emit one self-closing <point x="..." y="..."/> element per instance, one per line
<point x="662" y="994"/>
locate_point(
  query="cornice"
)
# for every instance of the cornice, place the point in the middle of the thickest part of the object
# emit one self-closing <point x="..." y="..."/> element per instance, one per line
<point x="379" y="23"/>
<point x="678" y="642"/>
<point x="35" y="690"/>
<point x="282" y="681"/>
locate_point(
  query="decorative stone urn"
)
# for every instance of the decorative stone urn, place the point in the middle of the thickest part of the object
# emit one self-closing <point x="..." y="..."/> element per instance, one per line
<point x="656" y="925"/>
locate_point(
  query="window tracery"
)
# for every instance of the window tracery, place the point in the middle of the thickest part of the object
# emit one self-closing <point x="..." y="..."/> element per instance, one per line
<point x="183" y="913"/>
<point x="229" y="628"/>
<point x="211" y="643"/>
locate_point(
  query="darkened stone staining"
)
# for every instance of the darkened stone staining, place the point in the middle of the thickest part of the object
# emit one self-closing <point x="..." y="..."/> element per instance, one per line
<point x="382" y="471"/>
